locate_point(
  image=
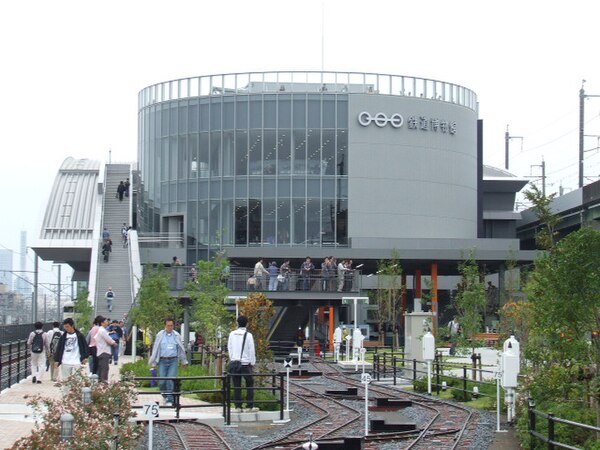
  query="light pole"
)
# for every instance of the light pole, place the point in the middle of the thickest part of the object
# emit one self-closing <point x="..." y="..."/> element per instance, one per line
<point x="59" y="315"/>
<point x="582" y="97"/>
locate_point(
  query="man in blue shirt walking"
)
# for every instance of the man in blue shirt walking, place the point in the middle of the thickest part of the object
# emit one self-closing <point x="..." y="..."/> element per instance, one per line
<point x="167" y="352"/>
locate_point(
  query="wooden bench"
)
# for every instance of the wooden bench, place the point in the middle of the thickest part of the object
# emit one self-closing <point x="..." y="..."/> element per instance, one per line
<point x="490" y="338"/>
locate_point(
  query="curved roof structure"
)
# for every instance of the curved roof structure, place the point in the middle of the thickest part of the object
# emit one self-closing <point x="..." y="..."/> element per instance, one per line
<point x="68" y="227"/>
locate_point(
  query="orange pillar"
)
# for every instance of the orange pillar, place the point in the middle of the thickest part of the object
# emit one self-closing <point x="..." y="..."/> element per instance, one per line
<point x="331" y="326"/>
<point x="418" y="291"/>
<point x="434" y="296"/>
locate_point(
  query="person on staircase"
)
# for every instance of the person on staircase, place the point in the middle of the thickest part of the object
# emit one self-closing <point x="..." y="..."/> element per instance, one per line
<point x="109" y="296"/>
<point x="121" y="190"/>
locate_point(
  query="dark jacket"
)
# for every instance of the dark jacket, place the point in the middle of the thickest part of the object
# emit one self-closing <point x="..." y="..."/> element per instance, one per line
<point x="60" y="347"/>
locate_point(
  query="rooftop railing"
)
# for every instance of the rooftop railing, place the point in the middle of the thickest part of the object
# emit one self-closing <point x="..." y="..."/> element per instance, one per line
<point x="307" y="82"/>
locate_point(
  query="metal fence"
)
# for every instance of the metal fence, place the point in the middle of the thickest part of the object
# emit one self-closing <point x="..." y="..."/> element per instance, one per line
<point x="549" y="437"/>
<point x="13" y="333"/>
<point x="14" y="363"/>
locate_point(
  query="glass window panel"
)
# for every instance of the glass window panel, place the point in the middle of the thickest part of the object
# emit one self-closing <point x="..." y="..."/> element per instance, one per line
<point x="193" y="190"/>
<point x="164" y="120"/>
<point x="314" y="187"/>
<point x="269" y="213"/>
<point x="299" y="151"/>
<point x="283" y="188"/>
<point x="328" y="188"/>
<point x="270" y="111"/>
<point x="204" y="117"/>
<point x="329" y="111"/>
<point x="255" y="188"/>
<point x="173" y="119"/>
<point x="182" y="194"/>
<point x="215" y="114"/>
<point x="227" y="187"/>
<point x="173" y="158"/>
<point x="241" y="152"/>
<point x="192" y="227"/>
<point x="214" y="221"/>
<point x="172" y="194"/>
<point x="255" y="111"/>
<point x="328" y="152"/>
<point x="193" y="141"/>
<point x="241" y="113"/>
<point x="298" y="187"/>
<point x="228" y="111"/>
<point x="203" y="156"/>
<point x="203" y="222"/>
<point x="255" y="152"/>
<point x="215" y="188"/>
<point x="342" y="152"/>
<point x="314" y="112"/>
<point x="328" y="221"/>
<point x="241" y="186"/>
<point x="182" y="163"/>
<point x="270" y="152"/>
<point x="313" y="221"/>
<point x="313" y="150"/>
<point x="343" y="188"/>
<point x="283" y="222"/>
<point x="228" y="153"/>
<point x="269" y="188"/>
<point x="284" y="151"/>
<point x="299" y="112"/>
<point x="183" y="117"/>
<point x="254" y="221"/>
<point x="342" y="113"/>
<point x="284" y="112"/>
<point x="299" y="224"/>
<point x="227" y="223"/>
<point x="241" y="222"/>
<point x="203" y="189"/>
<point x="342" y="223"/>
<point x="215" y="153"/>
<point x="164" y="153"/>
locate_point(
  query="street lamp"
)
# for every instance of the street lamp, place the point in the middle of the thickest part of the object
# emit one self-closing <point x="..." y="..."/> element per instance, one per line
<point x="66" y="426"/>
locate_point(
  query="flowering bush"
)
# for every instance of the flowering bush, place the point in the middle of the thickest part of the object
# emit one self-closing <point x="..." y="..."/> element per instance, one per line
<point x="94" y="424"/>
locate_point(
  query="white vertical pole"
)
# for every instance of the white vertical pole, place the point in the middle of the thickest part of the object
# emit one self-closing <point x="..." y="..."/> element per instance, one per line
<point x="134" y="342"/>
<point x="150" y="433"/>
<point x="498" y="402"/>
<point x="429" y="377"/>
<point x="366" y="409"/>
<point x="287" y="392"/>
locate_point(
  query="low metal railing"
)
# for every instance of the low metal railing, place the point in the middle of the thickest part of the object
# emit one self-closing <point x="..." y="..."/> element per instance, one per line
<point x="14" y="363"/>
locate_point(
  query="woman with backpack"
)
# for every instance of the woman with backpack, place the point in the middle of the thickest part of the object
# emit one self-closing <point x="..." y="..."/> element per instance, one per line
<point x="53" y="337"/>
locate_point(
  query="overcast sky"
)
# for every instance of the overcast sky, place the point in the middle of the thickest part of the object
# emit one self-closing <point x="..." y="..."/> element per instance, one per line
<point x="71" y="72"/>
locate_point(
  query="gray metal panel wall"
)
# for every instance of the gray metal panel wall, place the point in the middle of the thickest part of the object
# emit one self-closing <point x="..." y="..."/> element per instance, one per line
<point x="411" y="183"/>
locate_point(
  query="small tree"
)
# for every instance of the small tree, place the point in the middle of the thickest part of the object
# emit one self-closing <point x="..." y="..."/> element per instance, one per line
<point x="388" y="297"/>
<point x="84" y="311"/>
<point x="93" y="426"/>
<point x="259" y="310"/>
<point x="547" y="236"/>
<point x="470" y="301"/>
<point x="154" y="303"/>
<point x="208" y="293"/>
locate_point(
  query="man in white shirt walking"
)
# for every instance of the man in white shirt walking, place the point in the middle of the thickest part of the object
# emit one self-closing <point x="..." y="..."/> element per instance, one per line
<point x="240" y="350"/>
<point x="71" y="351"/>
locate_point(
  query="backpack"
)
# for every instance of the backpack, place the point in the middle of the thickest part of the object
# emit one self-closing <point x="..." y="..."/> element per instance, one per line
<point x="37" y="345"/>
<point x="110" y="294"/>
<point x="54" y="342"/>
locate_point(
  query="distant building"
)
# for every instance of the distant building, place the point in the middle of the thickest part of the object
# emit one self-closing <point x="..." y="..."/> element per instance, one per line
<point x="6" y="268"/>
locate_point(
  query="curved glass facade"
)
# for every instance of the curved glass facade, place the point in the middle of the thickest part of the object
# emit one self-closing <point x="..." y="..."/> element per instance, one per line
<point x="246" y="170"/>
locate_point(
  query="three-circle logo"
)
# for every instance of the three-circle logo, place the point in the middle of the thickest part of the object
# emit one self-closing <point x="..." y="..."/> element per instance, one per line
<point x="380" y="119"/>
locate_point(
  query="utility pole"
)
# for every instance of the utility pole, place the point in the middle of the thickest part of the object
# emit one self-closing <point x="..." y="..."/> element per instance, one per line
<point x="507" y="138"/>
<point x="543" y="166"/>
<point x="35" y="289"/>
<point x="582" y="97"/>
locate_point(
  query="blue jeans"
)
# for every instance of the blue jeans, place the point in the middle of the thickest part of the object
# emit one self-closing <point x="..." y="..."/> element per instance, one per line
<point x="115" y="353"/>
<point x="168" y="368"/>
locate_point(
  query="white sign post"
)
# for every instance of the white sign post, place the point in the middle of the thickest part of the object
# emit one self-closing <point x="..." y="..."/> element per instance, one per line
<point x="428" y="355"/>
<point x="365" y="378"/>
<point x="362" y="358"/>
<point x="287" y="364"/>
<point x="151" y="411"/>
<point x="299" y="361"/>
<point x="498" y="378"/>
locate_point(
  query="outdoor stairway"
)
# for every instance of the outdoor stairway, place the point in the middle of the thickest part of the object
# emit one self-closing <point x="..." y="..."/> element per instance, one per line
<point x="115" y="273"/>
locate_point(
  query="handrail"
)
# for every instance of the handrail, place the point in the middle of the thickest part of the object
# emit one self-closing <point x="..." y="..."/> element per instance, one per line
<point x="14" y="362"/>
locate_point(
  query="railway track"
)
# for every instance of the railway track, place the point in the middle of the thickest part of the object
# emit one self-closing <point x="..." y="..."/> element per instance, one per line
<point x="441" y="425"/>
<point x="190" y="435"/>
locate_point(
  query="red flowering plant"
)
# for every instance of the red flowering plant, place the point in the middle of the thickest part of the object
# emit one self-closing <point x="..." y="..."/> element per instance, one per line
<point x="94" y="425"/>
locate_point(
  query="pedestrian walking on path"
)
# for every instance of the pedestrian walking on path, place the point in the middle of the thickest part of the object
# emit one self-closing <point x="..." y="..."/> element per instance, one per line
<point x="39" y="347"/>
<point x="71" y="351"/>
<point x="109" y="296"/>
<point x="53" y="337"/>
<point x="240" y="346"/>
<point x="104" y="344"/>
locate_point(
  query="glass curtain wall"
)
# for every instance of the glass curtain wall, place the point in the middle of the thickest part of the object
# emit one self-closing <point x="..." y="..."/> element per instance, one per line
<point x="247" y="169"/>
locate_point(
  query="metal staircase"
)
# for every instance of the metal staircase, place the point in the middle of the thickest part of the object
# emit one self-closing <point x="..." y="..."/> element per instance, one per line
<point x="116" y="272"/>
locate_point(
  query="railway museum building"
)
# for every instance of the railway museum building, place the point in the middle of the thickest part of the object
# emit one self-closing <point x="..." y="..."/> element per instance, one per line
<point x="284" y="165"/>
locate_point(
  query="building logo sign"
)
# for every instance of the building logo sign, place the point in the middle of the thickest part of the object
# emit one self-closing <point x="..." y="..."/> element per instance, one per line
<point x="396" y="120"/>
<point x="381" y="120"/>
